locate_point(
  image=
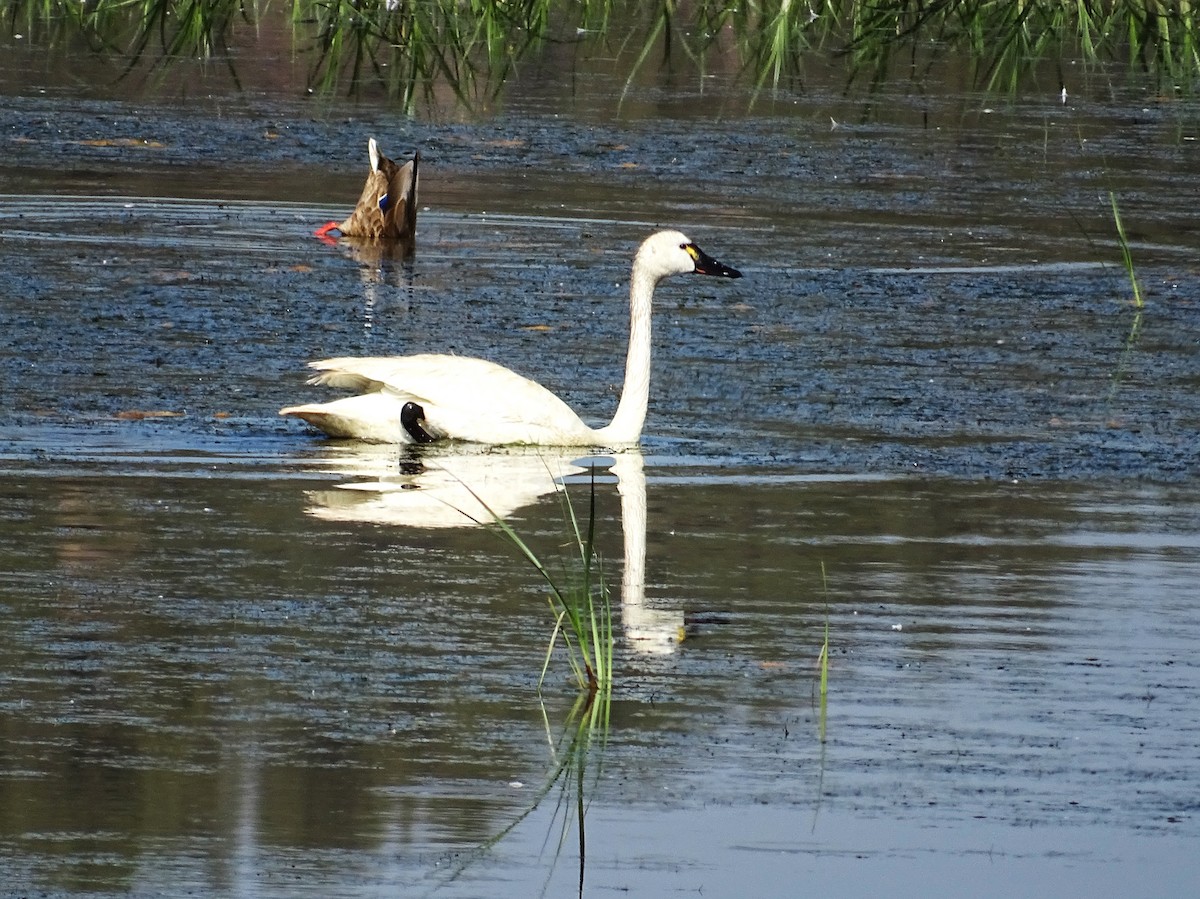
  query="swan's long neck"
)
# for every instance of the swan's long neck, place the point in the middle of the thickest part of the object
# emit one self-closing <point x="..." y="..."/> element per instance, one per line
<point x="626" y="426"/>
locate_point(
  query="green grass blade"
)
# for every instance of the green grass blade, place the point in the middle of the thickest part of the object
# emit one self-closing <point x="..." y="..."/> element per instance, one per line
<point x="1126" y="254"/>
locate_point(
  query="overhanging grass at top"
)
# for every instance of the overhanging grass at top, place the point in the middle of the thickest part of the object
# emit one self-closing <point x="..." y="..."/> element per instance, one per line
<point x="411" y="47"/>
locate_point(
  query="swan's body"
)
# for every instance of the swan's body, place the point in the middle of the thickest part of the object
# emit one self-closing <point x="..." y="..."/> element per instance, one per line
<point x="418" y="399"/>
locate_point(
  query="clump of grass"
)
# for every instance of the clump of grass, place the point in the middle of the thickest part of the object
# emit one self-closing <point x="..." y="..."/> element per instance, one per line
<point x="580" y="600"/>
<point x="410" y="45"/>
<point x="1008" y="42"/>
<point x="580" y="603"/>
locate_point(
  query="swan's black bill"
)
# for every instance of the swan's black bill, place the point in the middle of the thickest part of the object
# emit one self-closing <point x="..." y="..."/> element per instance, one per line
<point x="706" y="265"/>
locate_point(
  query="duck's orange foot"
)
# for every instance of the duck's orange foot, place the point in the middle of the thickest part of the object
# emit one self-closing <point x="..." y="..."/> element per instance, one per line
<point x="323" y="231"/>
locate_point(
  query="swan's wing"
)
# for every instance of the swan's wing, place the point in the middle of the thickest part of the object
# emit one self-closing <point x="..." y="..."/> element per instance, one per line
<point x="463" y="398"/>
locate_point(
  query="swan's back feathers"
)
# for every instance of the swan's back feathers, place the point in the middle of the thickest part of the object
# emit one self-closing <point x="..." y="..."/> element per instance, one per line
<point x="463" y="398"/>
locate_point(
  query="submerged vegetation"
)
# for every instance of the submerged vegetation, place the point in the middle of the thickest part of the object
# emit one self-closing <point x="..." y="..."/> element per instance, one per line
<point x="412" y="47"/>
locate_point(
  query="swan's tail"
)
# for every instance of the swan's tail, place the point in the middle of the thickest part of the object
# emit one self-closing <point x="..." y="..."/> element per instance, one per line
<point x="374" y="418"/>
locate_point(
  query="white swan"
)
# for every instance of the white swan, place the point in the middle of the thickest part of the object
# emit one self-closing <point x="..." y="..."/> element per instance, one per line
<point x="423" y="398"/>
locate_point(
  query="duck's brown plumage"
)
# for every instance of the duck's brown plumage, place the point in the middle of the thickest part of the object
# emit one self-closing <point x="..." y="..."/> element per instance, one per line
<point x="388" y="205"/>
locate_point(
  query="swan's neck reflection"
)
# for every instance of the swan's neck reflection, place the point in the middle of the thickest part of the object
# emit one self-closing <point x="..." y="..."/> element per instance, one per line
<point x="466" y="488"/>
<point x="647" y="630"/>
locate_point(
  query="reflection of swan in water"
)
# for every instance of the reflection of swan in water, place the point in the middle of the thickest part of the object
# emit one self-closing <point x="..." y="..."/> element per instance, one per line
<point x="656" y="631"/>
<point x="438" y="491"/>
<point x="446" y="490"/>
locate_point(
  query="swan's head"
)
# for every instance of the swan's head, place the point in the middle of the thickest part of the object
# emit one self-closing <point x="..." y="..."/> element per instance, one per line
<point x="671" y="253"/>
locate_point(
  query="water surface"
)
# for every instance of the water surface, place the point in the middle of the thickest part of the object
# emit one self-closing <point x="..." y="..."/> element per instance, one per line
<point x="225" y="673"/>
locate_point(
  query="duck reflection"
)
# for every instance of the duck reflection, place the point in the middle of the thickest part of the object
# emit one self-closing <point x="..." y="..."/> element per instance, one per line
<point x="465" y="488"/>
<point x="385" y="270"/>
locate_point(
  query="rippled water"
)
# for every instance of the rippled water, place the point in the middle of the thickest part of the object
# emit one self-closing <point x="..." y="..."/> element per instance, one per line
<point x="217" y="681"/>
<point x="224" y="673"/>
